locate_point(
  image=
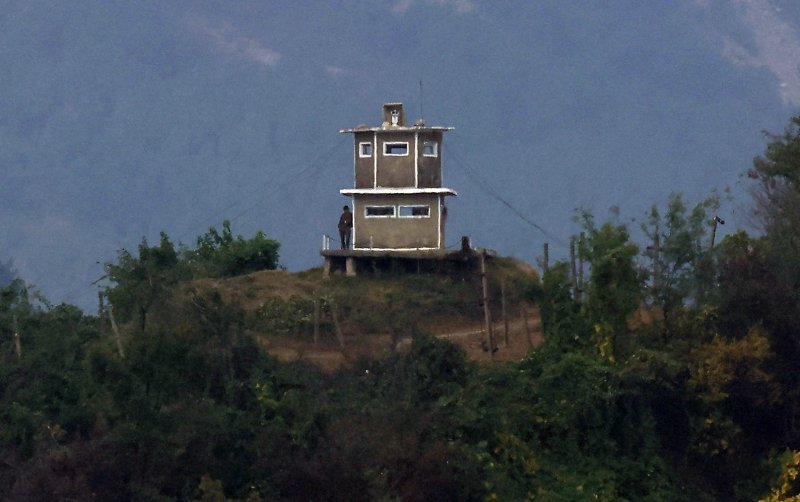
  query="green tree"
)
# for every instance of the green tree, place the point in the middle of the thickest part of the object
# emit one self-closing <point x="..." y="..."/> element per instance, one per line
<point x="771" y="265"/>
<point x="223" y="255"/>
<point x="615" y="284"/>
<point x="41" y="401"/>
<point x="778" y="195"/>
<point x="680" y="258"/>
<point x="565" y="328"/>
<point x="144" y="280"/>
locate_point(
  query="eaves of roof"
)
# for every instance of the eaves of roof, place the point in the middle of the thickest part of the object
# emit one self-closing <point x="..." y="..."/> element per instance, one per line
<point x="392" y="129"/>
<point x="398" y="191"/>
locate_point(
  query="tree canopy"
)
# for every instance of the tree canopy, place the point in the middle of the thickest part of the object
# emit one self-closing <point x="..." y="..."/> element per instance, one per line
<point x="670" y="373"/>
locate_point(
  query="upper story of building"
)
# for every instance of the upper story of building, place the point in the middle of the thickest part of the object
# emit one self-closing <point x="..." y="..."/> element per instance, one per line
<point x="394" y="155"/>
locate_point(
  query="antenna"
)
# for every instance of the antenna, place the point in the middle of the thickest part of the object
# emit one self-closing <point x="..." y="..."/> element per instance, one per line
<point x="421" y="115"/>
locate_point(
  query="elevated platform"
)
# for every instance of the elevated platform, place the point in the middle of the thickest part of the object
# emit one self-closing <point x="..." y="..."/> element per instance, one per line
<point x="354" y="261"/>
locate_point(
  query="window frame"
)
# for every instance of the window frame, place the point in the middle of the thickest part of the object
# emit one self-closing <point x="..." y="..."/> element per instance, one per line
<point x="435" y="145"/>
<point x="412" y="206"/>
<point x="387" y="144"/>
<point x="367" y="208"/>
<point x="361" y="146"/>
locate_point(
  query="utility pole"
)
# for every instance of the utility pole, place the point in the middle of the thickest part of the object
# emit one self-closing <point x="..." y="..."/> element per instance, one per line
<point x="573" y="268"/>
<point x="707" y="258"/>
<point x="487" y="313"/>
<point x="656" y="249"/>
<point x="579" y="292"/>
<point x="714" y="222"/>
<point x="546" y="263"/>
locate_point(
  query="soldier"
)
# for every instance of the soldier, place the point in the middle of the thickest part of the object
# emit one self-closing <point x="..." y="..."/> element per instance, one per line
<point x="345" y="225"/>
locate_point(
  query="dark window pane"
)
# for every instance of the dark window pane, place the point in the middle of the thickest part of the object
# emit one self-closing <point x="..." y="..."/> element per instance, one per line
<point x="396" y="148"/>
<point x="380" y="210"/>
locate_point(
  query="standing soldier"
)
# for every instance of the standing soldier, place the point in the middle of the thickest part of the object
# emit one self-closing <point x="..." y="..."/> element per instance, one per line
<point x="345" y="225"/>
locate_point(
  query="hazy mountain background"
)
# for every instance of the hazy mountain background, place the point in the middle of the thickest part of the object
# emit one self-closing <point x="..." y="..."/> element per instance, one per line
<point x="120" y="119"/>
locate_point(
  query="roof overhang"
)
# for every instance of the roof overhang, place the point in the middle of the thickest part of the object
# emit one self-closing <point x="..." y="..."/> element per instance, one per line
<point x="392" y="129"/>
<point x="397" y="191"/>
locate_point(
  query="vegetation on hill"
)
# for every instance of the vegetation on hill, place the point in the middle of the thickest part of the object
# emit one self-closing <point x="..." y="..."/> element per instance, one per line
<point x="670" y="373"/>
<point x="144" y="281"/>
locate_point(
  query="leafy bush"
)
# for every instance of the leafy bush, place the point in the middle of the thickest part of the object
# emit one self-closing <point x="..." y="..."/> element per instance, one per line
<point x="277" y="316"/>
<point x="223" y="255"/>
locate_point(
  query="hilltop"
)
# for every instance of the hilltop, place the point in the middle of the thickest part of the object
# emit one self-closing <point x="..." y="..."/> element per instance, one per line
<point x="372" y="315"/>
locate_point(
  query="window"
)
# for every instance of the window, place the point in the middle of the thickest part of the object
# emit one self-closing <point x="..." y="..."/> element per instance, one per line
<point x="395" y="149"/>
<point x="379" y="211"/>
<point x="365" y="149"/>
<point x="430" y="149"/>
<point x="415" y="211"/>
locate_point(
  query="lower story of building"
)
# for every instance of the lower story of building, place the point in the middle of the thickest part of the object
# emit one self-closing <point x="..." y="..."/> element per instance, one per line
<point x="399" y="221"/>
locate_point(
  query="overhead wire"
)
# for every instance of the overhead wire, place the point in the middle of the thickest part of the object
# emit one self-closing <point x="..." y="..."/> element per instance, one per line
<point x="313" y="167"/>
<point x="486" y="187"/>
<point x="253" y="190"/>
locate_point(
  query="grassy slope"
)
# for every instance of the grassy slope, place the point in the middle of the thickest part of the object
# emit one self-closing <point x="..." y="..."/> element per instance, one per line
<point x="375" y="313"/>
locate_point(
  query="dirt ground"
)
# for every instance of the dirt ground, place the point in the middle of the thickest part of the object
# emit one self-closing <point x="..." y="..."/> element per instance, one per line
<point x="523" y="335"/>
<point x="250" y="291"/>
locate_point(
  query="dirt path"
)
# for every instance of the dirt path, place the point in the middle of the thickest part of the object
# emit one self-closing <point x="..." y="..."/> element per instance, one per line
<point x="524" y="335"/>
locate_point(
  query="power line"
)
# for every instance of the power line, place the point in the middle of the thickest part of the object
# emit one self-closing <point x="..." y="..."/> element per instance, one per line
<point x="315" y="164"/>
<point x="483" y="185"/>
<point x="313" y="167"/>
<point x="320" y="102"/>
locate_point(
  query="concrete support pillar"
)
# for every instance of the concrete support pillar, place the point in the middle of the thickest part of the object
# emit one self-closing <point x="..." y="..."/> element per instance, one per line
<point x="350" y="266"/>
<point x="326" y="268"/>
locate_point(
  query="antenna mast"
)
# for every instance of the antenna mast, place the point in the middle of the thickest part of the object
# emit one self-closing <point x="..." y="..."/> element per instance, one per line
<point x="421" y="115"/>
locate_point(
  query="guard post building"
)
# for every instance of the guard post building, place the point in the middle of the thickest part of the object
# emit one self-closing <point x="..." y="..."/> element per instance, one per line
<point x="398" y="201"/>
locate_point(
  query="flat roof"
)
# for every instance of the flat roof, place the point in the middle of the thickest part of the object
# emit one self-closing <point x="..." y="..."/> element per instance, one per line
<point x="429" y="253"/>
<point x="402" y="191"/>
<point x="390" y="129"/>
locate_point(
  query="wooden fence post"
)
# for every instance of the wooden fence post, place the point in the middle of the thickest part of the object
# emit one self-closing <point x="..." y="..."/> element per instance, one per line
<point x="114" y="327"/>
<point x="316" y="319"/>
<point x="503" y="310"/>
<point x="527" y="328"/>
<point x="336" y="325"/>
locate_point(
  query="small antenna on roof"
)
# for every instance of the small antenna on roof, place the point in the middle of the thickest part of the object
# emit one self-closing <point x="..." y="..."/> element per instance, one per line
<point x="421" y="115"/>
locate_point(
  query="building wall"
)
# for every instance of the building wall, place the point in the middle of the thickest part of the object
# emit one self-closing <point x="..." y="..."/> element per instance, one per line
<point x="364" y="166"/>
<point x="397" y="232"/>
<point x="430" y="168"/>
<point x="396" y="171"/>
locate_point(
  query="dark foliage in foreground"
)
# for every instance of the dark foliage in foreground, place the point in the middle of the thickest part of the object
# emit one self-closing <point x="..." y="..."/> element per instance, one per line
<point x="667" y="375"/>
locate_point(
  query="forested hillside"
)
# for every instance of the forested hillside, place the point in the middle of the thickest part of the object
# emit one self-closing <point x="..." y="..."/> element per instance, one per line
<point x="670" y="372"/>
